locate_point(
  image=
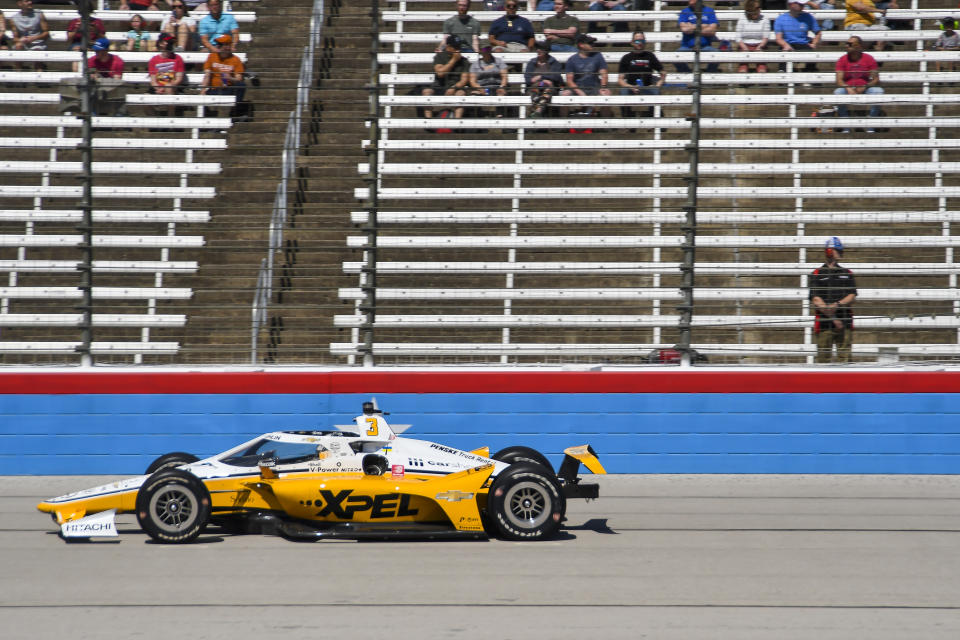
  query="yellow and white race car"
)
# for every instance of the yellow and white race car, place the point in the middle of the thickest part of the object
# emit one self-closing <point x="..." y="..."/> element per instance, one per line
<point x="368" y="483"/>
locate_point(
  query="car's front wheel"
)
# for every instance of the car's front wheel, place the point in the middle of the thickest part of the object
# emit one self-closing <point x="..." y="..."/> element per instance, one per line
<point x="525" y="503"/>
<point x="173" y="506"/>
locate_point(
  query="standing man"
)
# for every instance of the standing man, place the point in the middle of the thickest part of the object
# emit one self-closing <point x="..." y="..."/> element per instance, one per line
<point x="635" y="74"/>
<point x="793" y="31"/>
<point x="464" y="26"/>
<point x="856" y="74"/>
<point x="511" y="32"/>
<point x="687" y="21"/>
<point x="560" y="29"/>
<point x="215" y="24"/>
<point x="832" y="292"/>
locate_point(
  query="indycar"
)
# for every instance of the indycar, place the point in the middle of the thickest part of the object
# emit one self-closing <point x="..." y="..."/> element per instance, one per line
<point x="313" y="485"/>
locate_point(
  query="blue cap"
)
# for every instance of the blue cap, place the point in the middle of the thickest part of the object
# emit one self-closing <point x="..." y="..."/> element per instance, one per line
<point x="102" y="44"/>
<point x="835" y="244"/>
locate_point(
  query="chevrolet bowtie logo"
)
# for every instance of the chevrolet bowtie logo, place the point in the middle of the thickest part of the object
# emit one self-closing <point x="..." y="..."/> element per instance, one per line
<point x="454" y="496"/>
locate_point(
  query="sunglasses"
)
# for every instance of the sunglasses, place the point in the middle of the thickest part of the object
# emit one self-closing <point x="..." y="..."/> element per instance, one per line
<point x="639" y="41"/>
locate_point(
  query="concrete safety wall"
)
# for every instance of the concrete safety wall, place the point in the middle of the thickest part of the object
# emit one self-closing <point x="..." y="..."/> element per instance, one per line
<point x="653" y="421"/>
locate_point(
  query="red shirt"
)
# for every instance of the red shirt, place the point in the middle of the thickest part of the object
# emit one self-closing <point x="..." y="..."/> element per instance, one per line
<point x="97" y="30"/>
<point x="165" y="68"/>
<point x="857" y="73"/>
<point x="112" y="67"/>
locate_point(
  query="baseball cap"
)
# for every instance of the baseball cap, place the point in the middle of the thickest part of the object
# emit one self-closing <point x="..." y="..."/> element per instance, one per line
<point x="542" y="44"/>
<point x="486" y="48"/>
<point x="224" y="39"/>
<point x="583" y="37"/>
<point x="454" y="41"/>
<point x="101" y="44"/>
<point x="834" y="243"/>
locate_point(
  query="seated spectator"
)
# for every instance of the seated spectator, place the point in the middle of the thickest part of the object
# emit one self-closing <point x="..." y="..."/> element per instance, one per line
<point x="451" y="74"/>
<point x="106" y="71"/>
<point x="196" y="5"/>
<point x="541" y="5"/>
<point x="586" y="74"/>
<point x="753" y="33"/>
<point x="75" y="38"/>
<point x="826" y="24"/>
<point x="488" y="76"/>
<point x="949" y="40"/>
<point x="687" y="20"/>
<point x="138" y="39"/>
<point x="793" y="31"/>
<point x="215" y="24"/>
<point x="464" y="26"/>
<point x="139" y="5"/>
<point x="166" y="70"/>
<point x="30" y="31"/>
<point x="511" y="32"/>
<point x="543" y="77"/>
<point x="862" y="15"/>
<point x="608" y="5"/>
<point x="223" y="75"/>
<point x="181" y="26"/>
<point x="856" y="74"/>
<point x="636" y="74"/>
<point x="560" y="29"/>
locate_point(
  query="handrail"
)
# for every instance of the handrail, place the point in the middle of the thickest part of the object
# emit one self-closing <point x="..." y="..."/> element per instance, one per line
<point x="291" y="147"/>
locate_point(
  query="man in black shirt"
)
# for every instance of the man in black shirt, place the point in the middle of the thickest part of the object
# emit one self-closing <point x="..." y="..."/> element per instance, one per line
<point x="636" y="74"/>
<point x="832" y="292"/>
<point x="451" y="74"/>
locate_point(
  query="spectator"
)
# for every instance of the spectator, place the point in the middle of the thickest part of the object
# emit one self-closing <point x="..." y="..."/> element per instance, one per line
<point x="511" y="32"/>
<point x="560" y="29"/>
<point x="488" y="76"/>
<point x="541" y="5"/>
<point x="753" y="34"/>
<point x="825" y="24"/>
<point x="949" y="40"/>
<point x="106" y="70"/>
<point x="138" y="39"/>
<point x="75" y="38"/>
<point x="860" y="17"/>
<point x="586" y="73"/>
<point x="687" y="20"/>
<point x="636" y="74"/>
<point x="832" y="292"/>
<point x="181" y="26"/>
<point x="139" y="5"/>
<point x="166" y="70"/>
<point x="196" y="5"/>
<point x="451" y="74"/>
<point x="215" y="24"/>
<point x="464" y="26"/>
<point x="223" y="74"/>
<point x="29" y="29"/>
<point x="543" y="76"/>
<point x="793" y="31"/>
<point x="856" y="74"/>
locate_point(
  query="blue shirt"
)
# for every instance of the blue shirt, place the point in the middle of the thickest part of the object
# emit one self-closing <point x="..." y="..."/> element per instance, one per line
<point x="213" y="28"/>
<point x="586" y="71"/>
<point x="795" y="30"/>
<point x="512" y="29"/>
<point x="687" y="15"/>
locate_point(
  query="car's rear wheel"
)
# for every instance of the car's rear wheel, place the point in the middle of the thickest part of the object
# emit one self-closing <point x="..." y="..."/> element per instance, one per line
<point x="170" y="461"/>
<point x="513" y="455"/>
<point x="173" y="506"/>
<point x="525" y="503"/>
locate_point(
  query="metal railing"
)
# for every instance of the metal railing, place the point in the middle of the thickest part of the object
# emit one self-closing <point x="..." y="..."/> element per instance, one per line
<point x="291" y="148"/>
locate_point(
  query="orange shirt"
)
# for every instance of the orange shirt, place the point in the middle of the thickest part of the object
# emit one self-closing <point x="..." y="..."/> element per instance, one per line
<point x="222" y="69"/>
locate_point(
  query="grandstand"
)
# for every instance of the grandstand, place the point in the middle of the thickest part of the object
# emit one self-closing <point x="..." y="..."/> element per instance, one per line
<point x="515" y="241"/>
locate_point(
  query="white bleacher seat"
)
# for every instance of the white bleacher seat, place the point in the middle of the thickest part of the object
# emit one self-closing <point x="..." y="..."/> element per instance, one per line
<point x="886" y="99"/>
<point x="186" y="100"/>
<point x="102" y="293"/>
<point x="54" y="77"/>
<point x="102" y="215"/>
<point x="207" y="144"/>
<point x="106" y="122"/>
<point x="128" y="57"/>
<point x="42" y="191"/>
<point x="120" y="37"/>
<point x="108" y="16"/>
<point x="67" y="240"/>
<point x="97" y="348"/>
<point x="589" y="142"/>
<point x="99" y="266"/>
<point x="99" y="320"/>
<point x="196" y="168"/>
<point x="716" y="79"/>
<point x="643" y="16"/>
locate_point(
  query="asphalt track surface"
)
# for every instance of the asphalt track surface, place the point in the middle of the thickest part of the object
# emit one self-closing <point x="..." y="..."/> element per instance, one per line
<point x="666" y="557"/>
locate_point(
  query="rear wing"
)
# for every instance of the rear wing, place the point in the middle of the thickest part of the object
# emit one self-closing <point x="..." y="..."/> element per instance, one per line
<point x="572" y="459"/>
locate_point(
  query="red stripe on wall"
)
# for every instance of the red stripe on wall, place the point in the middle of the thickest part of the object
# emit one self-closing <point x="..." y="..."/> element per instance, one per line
<point x="481" y="382"/>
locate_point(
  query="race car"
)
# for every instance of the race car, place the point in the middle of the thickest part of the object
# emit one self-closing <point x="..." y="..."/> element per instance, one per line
<point x="363" y="484"/>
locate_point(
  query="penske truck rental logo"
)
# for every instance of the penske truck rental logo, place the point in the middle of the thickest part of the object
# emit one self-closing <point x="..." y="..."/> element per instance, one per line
<point x="344" y="505"/>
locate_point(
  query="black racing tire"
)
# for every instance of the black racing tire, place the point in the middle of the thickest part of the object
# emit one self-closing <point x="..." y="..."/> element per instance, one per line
<point x="513" y="455"/>
<point x="525" y="503"/>
<point x="170" y="461"/>
<point x="173" y="506"/>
